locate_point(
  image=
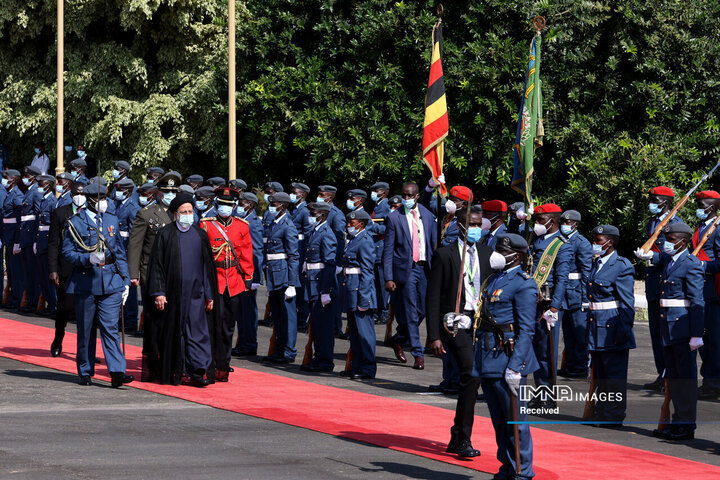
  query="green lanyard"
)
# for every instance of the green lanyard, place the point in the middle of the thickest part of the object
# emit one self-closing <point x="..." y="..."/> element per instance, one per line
<point x="470" y="274"/>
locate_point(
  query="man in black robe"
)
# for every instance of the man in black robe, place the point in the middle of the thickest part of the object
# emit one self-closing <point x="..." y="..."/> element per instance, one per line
<point x="180" y="324"/>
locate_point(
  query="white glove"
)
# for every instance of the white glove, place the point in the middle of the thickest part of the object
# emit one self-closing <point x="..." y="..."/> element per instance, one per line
<point x="338" y="270"/>
<point x="695" y="343"/>
<point x="463" y="321"/>
<point x="35" y="248"/>
<point x="1" y="244"/>
<point x="550" y="318"/>
<point x="304" y="267"/>
<point x="97" y="258"/>
<point x="521" y="215"/>
<point x="512" y="378"/>
<point x="254" y="286"/>
<point x="432" y="183"/>
<point x="325" y="299"/>
<point x="289" y="292"/>
<point x="16" y="249"/>
<point x="584" y="307"/>
<point x="530" y="210"/>
<point x="643" y="255"/>
<point x="125" y="294"/>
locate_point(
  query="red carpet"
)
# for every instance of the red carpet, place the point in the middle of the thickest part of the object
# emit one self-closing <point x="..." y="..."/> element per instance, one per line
<point x="397" y="424"/>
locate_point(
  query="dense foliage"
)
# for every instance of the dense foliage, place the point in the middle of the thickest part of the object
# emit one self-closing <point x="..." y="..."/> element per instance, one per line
<point x="332" y="90"/>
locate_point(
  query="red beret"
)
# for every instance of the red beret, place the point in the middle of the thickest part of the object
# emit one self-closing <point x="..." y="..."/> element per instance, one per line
<point x="664" y="191"/>
<point x="463" y="193"/>
<point x="494" y="206"/>
<point x="548" y="208"/>
<point x="707" y="194"/>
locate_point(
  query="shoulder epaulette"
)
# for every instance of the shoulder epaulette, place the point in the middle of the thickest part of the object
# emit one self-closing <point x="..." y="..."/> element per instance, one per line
<point x="205" y="219"/>
<point x="241" y="219"/>
<point x="525" y="275"/>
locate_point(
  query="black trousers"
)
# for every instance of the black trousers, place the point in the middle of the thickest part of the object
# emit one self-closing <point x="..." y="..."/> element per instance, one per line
<point x="228" y="311"/>
<point x="65" y="307"/>
<point x="681" y="364"/>
<point x="461" y="348"/>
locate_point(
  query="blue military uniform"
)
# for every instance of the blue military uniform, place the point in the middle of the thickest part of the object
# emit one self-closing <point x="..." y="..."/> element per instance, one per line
<point x="556" y="284"/>
<point x="28" y="234"/>
<point x="491" y="239"/>
<point x="97" y="288"/>
<point x="377" y="228"/>
<point x="64" y="199"/>
<point x="336" y="219"/>
<point x="45" y="204"/>
<point x="358" y="300"/>
<point x="653" y="275"/>
<point x="3" y="196"/>
<point x="610" y="291"/>
<point x="248" y="321"/>
<point x="510" y="297"/>
<point x="682" y="317"/>
<point x="125" y="211"/>
<point x="299" y="214"/>
<point x="319" y="275"/>
<point x="281" y="272"/>
<point x="12" y="212"/>
<point x="574" y="321"/>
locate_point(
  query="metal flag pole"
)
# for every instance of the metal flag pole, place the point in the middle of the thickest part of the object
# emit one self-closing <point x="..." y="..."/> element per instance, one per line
<point x="231" y="90"/>
<point x="60" y="87"/>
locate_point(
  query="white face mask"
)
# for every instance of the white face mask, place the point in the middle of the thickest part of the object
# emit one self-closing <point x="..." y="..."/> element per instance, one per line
<point x="79" y="200"/>
<point x="102" y="206"/>
<point x="540" y="229"/>
<point x="497" y="261"/>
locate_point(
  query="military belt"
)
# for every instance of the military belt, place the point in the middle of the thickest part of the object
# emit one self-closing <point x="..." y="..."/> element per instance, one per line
<point x="27" y="218"/>
<point x="574" y="276"/>
<point x="225" y="264"/>
<point x="674" y="302"/>
<point x="276" y="256"/>
<point x="315" y="266"/>
<point x="124" y="234"/>
<point x="603" y="305"/>
<point x="492" y="328"/>
<point x="301" y="236"/>
<point x="351" y="271"/>
<point x="10" y="220"/>
<point x="43" y="228"/>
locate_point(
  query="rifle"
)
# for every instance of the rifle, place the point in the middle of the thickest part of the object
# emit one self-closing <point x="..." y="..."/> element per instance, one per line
<point x="515" y="419"/>
<point x="664" y="421"/>
<point x="273" y="343"/>
<point x="388" y="327"/>
<point x="706" y="236"/>
<point x="590" y="403"/>
<point x="460" y="286"/>
<point x="308" y="356"/>
<point x="647" y="246"/>
<point x="348" y="360"/>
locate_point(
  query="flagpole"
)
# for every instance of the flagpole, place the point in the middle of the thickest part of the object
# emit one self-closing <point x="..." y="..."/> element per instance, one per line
<point x="231" y="90"/>
<point x="441" y="154"/>
<point x="60" y="87"/>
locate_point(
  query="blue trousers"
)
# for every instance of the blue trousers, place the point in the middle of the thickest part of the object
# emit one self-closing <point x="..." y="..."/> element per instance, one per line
<point x="656" y="335"/>
<point x="611" y="369"/>
<point x="710" y="352"/>
<point x="382" y="295"/>
<point x="574" y="328"/>
<point x="497" y="396"/>
<point x="409" y="308"/>
<point x="248" y="321"/>
<point x="30" y="276"/>
<point x="284" y="319"/>
<point x="48" y="290"/>
<point x="108" y="312"/>
<point x="323" y="332"/>
<point x="681" y="367"/>
<point x="337" y="308"/>
<point x="15" y="275"/>
<point x="132" y="310"/>
<point x="361" y="330"/>
<point x="543" y="375"/>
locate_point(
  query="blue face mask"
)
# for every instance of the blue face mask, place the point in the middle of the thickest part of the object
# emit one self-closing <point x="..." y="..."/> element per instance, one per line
<point x="116" y="174"/>
<point x="701" y="214"/>
<point x="350" y="204"/>
<point x="266" y="196"/>
<point x="352" y="231"/>
<point x="374" y="196"/>
<point x="566" y="229"/>
<point x="294" y="198"/>
<point x="37" y="151"/>
<point x="68" y="148"/>
<point x="5" y="182"/>
<point x="27" y="181"/>
<point x="119" y="195"/>
<point x="312" y="220"/>
<point x="669" y="248"/>
<point x="168" y="197"/>
<point x="409" y="203"/>
<point x="598" y="250"/>
<point x="81" y="153"/>
<point x="272" y="211"/>
<point x="654" y="208"/>
<point x="474" y="234"/>
<point x="224" y="210"/>
<point x="75" y="173"/>
<point x="143" y="200"/>
<point x="201" y="205"/>
<point x="59" y="189"/>
<point x="186" y="219"/>
<point x="320" y="200"/>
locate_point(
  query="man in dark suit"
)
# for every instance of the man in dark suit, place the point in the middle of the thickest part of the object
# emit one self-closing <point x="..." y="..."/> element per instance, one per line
<point x="410" y="237"/>
<point x="441" y="299"/>
<point x="59" y="268"/>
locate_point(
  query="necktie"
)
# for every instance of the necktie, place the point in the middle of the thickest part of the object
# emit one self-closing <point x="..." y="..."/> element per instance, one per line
<point x="597" y="267"/>
<point x="415" y="237"/>
<point x="98" y="219"/>
<point x="670" y="264"/>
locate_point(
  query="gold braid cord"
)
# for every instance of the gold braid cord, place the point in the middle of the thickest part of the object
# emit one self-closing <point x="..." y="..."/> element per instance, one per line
<point x="77" y="238"/>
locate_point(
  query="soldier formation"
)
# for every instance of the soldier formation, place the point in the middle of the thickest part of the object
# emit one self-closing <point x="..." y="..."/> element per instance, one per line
<point x="490" y="289"/>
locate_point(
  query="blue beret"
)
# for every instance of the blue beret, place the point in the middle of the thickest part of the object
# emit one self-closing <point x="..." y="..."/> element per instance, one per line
<point x="122" y="164"/>
<point x="513" y="241"/>
<point x="573" y="215"/>
<point x="356" y="192"/>
<point x="155" y="170"/>
<point x="248" y="196"/>
<point x="32" y="170"/>
<point x="380" y="186"/>
<point x="301" y="186"/>
<point x="361" y="215"/>
<point x="280" y="197"/>
<point x="678" y="227"/>
<point x="95" y="189"/>
<point x="125" y="183"/>
<point x="99" y="180"/>
<point x="395" y="200"/>
<point x="275" y="186"/>
<point x="238" y="183"/>
<point x="147" y="186"/>
<point x="320" y="206"/>
<point x="65" y="176"/>
<point x="78" y="162"/>
<point x="606" y="230"/>
<point x="12" y="173"/>
<point x="517" y="206"/>
<point x="46" y="178"/>
<point x="205" y="191"/>
<point x="195" y="178"/>
<point x="327" y="188"/>
<point x="216" y="181"/>
<point x="186" y="189"/>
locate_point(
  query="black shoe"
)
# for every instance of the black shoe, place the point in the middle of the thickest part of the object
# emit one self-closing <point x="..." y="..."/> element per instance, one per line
<point x="346" y="373"/>
<point x="56" y="348"/>
<point x="661" y="433"/>
<point x="381" y="320"/>
<point x="574" y="374"/>
<point x="436" y="388"/>
<point x="480" y="397"/>
<point x="341" y="335"/>
<point x="198" y="381"/>
<point x="303" y="328"/>
<point x="85" y="380"/>
<point x="48" y="312"/>
<point x="361" y="376"/>
<point x="238" y="352"/>
<point x="451" y="390"/>
<point x="119" y="379"/>
<point x="607" y="424"/>
<point x="707" y="393"/>
<point x="26" y="310"/>
<point x="270" y="358"/>
<point x="316" y="369"/>
<point x="466" y="450"/>
<point x="657" y="385"/>
<point x="680" y="433"/>
<point x="282" y="360"/>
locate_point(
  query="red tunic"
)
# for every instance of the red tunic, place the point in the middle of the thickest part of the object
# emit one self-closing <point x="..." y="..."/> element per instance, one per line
<point x="238" y="232"/>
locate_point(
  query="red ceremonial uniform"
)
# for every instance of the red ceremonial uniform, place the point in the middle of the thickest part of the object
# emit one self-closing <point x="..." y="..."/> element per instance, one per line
<point x="238" y="232"/>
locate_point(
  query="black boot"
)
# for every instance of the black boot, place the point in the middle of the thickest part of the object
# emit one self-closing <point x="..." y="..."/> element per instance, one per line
<point x="466" y="450"/>
<point x="117" y="379"/>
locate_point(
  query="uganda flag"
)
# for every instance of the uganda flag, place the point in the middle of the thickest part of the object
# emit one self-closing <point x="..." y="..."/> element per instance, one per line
<point x="435" y="127"/>
<point x="529" y="126"/>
